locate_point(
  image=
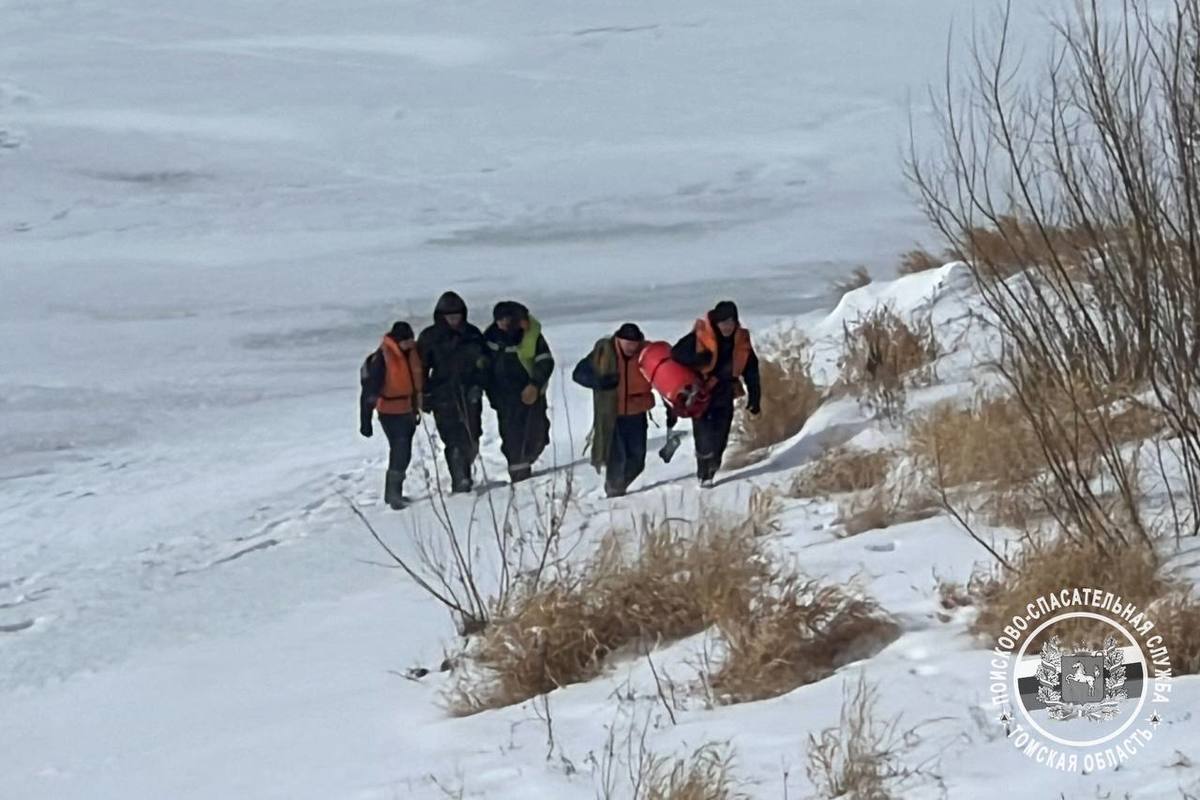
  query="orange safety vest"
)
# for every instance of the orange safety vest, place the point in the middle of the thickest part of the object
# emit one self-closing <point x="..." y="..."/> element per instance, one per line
<point x="634" y="393"/>
<point x="706" y="340"/>
<point x="403" y="379"/>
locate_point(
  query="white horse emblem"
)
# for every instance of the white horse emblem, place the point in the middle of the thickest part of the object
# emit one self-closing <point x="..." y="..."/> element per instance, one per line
<point x="1079" y="677"/>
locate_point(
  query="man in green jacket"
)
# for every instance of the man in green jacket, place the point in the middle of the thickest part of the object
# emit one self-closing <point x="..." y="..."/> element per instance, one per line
<point x="520" y="368"/>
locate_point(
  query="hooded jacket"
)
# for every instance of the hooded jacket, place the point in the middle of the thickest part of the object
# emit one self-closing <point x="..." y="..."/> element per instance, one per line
<point x="456" y="360"/>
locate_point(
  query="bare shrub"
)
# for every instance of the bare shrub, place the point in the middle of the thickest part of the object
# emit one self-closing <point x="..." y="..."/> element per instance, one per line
<point x="857" y="279"/>
<point x="789" y="398"/>
<point x="1096" y="156"/>
<point x="842" y="470"/>
<point x="796" y="632"/>
<point x="883" y="355"/>
<point x="861" y="757"/>
<point x="472" y="573"/>
<point x="918" y="260"/>
<point x="668" y="583"/>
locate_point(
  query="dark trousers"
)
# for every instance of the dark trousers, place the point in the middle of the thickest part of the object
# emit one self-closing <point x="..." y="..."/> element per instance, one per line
<point x="711" y="432"/>
<point x="524" y="431"/>
<point x="460" y="430"/>
<point x="399" y="429"/>
<point x="627" y="453"/>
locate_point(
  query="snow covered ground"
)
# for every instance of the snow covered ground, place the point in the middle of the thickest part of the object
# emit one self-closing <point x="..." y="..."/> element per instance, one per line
<point x="209" y="213"/>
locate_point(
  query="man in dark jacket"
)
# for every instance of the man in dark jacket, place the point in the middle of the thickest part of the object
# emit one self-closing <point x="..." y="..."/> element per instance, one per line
<point x="719" y="348"/>
<point x="519" y="372"/>
<point x="455" y="358"/>
<point x="622" y="399"/>
<point x="391" y="380"/>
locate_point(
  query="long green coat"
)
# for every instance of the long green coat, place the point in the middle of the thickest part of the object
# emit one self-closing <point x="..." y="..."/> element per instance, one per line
<point x="604" y="401"/>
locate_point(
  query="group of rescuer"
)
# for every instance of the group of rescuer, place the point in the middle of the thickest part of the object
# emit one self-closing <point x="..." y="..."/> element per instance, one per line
<point x="451" y="366"/>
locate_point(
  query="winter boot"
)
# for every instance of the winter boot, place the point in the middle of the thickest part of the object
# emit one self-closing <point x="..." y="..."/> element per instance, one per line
<point x="393" y="491"/>
<point x="706" y="472"/>
<point x="520" y="472"/>
<point x="460" y="472"/>
<point x="614" y="490"/>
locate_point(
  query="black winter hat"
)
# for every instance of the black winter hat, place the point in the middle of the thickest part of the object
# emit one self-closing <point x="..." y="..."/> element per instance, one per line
<point x="630" y="332"/>
<point x="724" y="310"/>
<point x="449" y="303"/>
<point x="401" y="332"/>
<point x="510" y="309"/>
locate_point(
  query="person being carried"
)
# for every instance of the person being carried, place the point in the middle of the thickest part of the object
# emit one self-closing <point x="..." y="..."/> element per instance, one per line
<point x="622" y="399"/>
<point x="520" y="367"/>
<point x="455" y="360"/>
<point x="719" y="348"/>
<point x="391" y="380"/>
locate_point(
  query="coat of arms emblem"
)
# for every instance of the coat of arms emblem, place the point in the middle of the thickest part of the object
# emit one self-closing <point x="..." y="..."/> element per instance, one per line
<point x="1082" y="683"/>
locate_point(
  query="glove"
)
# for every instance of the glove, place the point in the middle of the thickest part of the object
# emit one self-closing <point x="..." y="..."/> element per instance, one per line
<point x="529" y="395"/>
<point x="366" y="430"/>
<point x="474" y="396"/>
<point x="754" y="410"/>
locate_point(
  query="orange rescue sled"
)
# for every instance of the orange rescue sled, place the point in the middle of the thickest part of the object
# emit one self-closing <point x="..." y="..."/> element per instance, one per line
<point x="682" y="387"/>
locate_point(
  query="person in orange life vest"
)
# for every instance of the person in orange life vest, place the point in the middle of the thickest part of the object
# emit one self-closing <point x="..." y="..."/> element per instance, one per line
<point x="392" y="379"/>
<point x="622" y="402"/>
<point x="719" y="349"/>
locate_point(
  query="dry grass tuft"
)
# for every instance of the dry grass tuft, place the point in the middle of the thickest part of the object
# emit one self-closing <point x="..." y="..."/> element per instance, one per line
<point x="632" y="771"/>
<point x="667" y="584"/>
<point x="861" y="756"/>
<point x="992" y="446"/>
<point x="989" y="441"/>
<point x="1045" y="565"/>
<point x="789" y="398"/>
<point x="796" y="633"/>
<point x="883" y="355"/>
<point x="705" y="775"/>
<point x="1177" y="618"/>
<point x="1014" y="244"/>
<point x="883" y="507"/>
<point x="857" y="279"/>
<point x="763" y="510"/>
<point x="842" y="470"/>
<point x="918" y="260"/>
